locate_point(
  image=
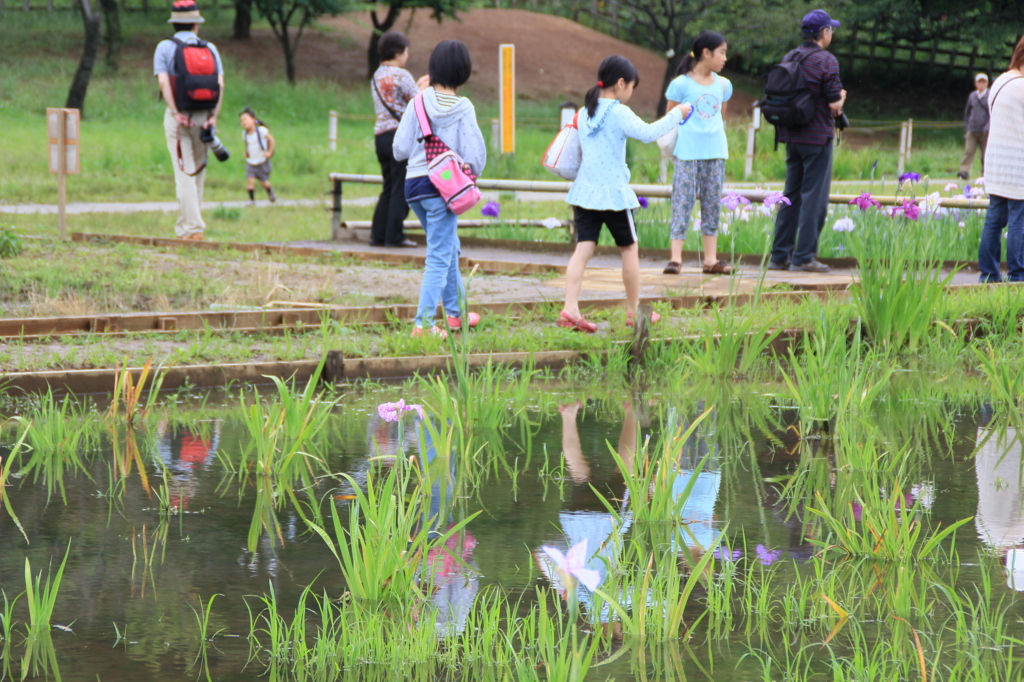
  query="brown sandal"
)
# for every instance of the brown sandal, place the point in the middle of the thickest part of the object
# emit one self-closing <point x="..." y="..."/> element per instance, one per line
<point x="673" y="267"/>
<point x="719" y="268"/>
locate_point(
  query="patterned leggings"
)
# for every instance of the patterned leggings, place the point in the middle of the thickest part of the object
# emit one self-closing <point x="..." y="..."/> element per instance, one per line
<point x="700" y="179"/>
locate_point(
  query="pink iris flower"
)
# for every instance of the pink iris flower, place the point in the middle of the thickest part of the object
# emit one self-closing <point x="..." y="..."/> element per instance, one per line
<point x="571" y="566"/>
<point x="866" y="201"/>
<point x="392" y="412"/>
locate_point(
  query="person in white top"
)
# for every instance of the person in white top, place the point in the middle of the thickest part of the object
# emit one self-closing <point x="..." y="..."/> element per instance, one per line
<point x="259" y="148"/>
<point x="1004" y="175"/>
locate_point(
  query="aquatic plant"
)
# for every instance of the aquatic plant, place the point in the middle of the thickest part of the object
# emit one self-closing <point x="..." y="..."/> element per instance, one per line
<point x="387" y="538"/>
<point x="732" y="344"/>
<point x="128" y="393"/>
<point x="5" y="472"/>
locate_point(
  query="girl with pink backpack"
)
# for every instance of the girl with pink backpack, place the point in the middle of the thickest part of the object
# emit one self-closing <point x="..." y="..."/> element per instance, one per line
<point x="440" y="137"/>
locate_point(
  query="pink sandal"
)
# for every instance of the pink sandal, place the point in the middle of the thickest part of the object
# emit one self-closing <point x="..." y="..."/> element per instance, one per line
<point x="575" y="323"/>
<point x="629" y="318"/>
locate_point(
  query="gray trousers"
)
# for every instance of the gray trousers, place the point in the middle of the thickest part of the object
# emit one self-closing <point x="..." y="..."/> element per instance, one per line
<point x="798" y="225"/>
<point x="188" y="184"/>
<point x="973" y="143"/>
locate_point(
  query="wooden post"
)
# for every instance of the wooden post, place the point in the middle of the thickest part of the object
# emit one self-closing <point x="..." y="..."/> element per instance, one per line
<point x="507" y="97"/>
<point x="641" y="333"/>
<point x="62" y="178"/>
<point x="748" y="164"/>
<point x="970" y="64"/>
<point x="910" y="137"/>
<point x="332" y="131"/>
<point x="902" y="163"/>
<point x="853" y="52"/>
<point x="336" y="230"/>
<point x="910" y="60"/>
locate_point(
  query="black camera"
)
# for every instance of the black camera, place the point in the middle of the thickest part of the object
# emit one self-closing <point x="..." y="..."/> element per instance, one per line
<point x="209" y="136"/>
<point x="842" y="123"/>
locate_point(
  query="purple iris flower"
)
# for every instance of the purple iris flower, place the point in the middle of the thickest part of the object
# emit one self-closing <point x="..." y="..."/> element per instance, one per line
<point x="910" y="209"/>
<point x="392" y="412"/>
<point x="734" y="200"/>
<point x="723" y="553"/>
<point x="767" y="557"/>
<point x="644" y="203"/>
<point x="910" y="177"/>
<point x="866" y="201"/>
<point x="776" y="198"/>
<point x="491" y="209"/>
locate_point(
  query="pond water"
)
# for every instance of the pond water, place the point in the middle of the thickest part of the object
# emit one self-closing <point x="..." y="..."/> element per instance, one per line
<point x="137" y="574"/>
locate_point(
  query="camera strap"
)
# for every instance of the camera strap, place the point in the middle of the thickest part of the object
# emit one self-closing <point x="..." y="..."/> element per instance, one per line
<point x="181" y="159"/>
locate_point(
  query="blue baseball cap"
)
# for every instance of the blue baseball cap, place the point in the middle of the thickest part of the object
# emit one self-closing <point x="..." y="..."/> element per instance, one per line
<point x="816" y="20"/>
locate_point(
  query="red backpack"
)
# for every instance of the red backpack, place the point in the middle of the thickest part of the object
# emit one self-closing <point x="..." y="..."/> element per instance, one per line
<point x="194" y="82"/>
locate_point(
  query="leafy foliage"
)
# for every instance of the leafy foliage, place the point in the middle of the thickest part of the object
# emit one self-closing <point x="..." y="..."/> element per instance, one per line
<point x="10" y="242"/>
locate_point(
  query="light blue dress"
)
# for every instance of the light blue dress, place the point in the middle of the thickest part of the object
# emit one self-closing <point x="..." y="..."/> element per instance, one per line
<point x="602" y="183"/>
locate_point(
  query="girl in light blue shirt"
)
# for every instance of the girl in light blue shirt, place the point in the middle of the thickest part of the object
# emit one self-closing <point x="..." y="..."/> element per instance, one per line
<point x="701" y="149"/>
<point x="600" y="195"/>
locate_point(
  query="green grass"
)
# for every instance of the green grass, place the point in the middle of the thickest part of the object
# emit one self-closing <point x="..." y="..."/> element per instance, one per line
<point x="124" y="155"/>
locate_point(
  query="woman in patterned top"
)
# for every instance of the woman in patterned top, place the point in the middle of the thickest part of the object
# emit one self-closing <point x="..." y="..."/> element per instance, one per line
<point x="392" y="87"/>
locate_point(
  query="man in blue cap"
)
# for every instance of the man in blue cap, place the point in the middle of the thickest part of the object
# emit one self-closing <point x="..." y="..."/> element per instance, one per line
<point x="809" y="152"/>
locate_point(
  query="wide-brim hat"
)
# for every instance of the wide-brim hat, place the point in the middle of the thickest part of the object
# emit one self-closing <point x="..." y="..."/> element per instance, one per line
<point x="185" y="12"/>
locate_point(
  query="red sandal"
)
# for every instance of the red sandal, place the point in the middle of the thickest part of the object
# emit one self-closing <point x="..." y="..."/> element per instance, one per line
<point x="575" y="323"/>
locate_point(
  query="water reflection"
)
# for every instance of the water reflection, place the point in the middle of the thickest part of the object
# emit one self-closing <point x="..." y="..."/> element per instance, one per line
<point x="700" y="531"/>
<point x="1000" y="517"/>
<point x="185" y="451"/>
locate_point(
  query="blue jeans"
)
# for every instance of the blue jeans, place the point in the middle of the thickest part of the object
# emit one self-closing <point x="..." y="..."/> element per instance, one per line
<point x="1009" y="214"/>
<point x="441" y="279"/>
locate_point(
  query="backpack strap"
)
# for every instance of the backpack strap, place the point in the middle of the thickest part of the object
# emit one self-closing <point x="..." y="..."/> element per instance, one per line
<point x="421" y="115"/>
<point x="384" y="102"/>
<point x="992" y="97"/>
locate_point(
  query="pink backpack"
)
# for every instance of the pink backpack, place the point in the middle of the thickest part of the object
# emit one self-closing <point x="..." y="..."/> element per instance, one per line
<point x="452" y="176"/>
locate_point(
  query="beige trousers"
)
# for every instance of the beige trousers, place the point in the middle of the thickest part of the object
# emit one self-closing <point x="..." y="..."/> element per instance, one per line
<point x="188" y="185"/>
<point x="973" y="142"/>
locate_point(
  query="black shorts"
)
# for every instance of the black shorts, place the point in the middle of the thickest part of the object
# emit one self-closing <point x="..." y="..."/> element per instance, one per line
<point x="589" y="222"/>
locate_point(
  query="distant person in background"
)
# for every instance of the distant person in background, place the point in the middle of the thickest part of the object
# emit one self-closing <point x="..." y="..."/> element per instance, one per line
<point x="975" y="126"/>
<point x="191" y="79"/>
<point x="259" y="148"/>
<point x="809" y="152"/>
<point x="453" y="120"/>
<point x="600" y="195"/>
<point x="392" y="88"/>
<point x="701" y="149"/>
<point x="1004" y="174"/>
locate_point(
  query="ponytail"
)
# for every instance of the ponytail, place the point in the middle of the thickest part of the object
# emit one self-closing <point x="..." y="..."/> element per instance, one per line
<point x="608" y="74"/>
<point x="706" y="40"/>
<point x="251" y="112"/>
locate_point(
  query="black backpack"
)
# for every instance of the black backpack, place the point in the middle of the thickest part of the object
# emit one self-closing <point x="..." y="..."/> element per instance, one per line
<point x="194" y="83"/>
<point x="787" y="102"/>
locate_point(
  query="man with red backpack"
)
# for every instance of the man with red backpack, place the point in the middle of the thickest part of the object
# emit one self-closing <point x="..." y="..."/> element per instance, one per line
<point x="191" y="80"/>
<point x="808" y="136"/>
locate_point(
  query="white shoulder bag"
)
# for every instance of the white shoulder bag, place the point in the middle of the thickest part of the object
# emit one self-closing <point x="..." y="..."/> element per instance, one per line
<point x="564" y="155"/>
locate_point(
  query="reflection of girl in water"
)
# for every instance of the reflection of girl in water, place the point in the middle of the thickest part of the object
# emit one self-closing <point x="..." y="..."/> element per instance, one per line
<point x="1000" y="517"/>
<point x="700" y="530"/>
<point x="184" y="452"/>
<point x="603" y="535"/>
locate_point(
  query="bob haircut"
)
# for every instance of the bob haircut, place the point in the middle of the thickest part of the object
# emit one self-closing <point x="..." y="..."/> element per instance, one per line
<point x="450" y="64"/>
<point x="391" y="44"/>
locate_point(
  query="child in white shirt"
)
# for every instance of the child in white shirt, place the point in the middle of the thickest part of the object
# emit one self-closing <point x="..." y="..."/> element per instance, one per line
<point x="259" y="147"/>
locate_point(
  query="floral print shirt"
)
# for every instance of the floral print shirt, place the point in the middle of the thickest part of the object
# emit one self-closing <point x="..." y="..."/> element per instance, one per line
<point x="397" y="87"/>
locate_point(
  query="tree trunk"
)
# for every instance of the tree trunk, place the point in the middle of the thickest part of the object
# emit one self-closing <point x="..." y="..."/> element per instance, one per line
<point x="111" y="32"/>
<point x="80" y="83"/>
<point x="380" y="28"/>
<point x="289" y="54"/>
<point x="243" y="20"/>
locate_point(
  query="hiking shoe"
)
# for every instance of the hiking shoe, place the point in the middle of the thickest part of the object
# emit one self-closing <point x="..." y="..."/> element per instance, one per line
<point x="433" y="331"/>
<point x="813" y="265"/>
<point x="272" y="196"/>
<point x="774" y="265"/>
<point x="672" y="268"/>
<point x="455" y="323"/>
